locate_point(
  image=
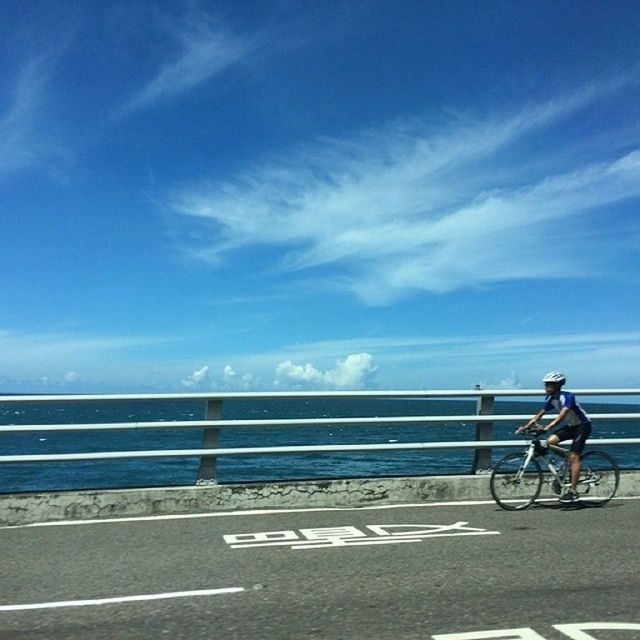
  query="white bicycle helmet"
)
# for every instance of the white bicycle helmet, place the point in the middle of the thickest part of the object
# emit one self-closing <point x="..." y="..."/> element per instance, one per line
<point x="556" y="377"/>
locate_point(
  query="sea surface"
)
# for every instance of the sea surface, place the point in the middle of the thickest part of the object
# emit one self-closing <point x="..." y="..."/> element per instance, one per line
<point x="29" y="477"/>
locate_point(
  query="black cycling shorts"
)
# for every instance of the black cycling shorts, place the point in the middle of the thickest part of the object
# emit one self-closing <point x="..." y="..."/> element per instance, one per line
<point x="578" y="433"/>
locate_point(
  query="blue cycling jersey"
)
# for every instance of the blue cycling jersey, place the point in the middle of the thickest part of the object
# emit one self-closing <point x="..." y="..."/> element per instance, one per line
<point x="567" y="399"/>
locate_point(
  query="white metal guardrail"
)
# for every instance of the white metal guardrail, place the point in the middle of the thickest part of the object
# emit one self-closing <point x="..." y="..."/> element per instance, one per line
<point x="484" y="420"/>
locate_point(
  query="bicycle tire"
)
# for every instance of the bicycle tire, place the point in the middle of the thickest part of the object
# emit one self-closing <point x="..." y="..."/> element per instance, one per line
<point x="509" y="492"/>
<point x="599" y="478"/>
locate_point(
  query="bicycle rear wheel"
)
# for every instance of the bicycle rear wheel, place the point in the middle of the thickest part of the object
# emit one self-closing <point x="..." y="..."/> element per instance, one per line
<point x="599" y="478"/>
<point x="512" y="487"/>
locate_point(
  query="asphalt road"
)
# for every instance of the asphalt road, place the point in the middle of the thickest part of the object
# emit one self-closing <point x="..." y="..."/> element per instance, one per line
<point x="397" y="573"/>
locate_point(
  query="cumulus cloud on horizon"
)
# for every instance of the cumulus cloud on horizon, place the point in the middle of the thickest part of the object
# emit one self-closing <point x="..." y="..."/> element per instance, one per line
<point x="198" y="380"/>
<point x="354" y="372"/>
<point x="229" y="379"/>
<point x="409" y="207"/>
<point x="232" y="380"/>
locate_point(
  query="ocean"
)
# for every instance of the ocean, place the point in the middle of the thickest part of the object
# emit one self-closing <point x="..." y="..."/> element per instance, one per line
<point x="30" y="477"/>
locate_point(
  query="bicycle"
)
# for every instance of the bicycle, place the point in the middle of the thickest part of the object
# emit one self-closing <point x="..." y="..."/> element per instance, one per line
<point x="517" y="479"/>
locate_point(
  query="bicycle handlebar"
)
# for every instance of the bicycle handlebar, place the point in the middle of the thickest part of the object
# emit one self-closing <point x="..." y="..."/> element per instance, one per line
<point x="537" y="430"/>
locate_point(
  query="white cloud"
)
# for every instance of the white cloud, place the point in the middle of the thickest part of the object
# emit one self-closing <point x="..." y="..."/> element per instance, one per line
<point x="30" y="360"/>
<point x="232" y="381"/>
<point x="71" y="376"/>
<point x="20" y="144"/>
<point x="35" y="362"/>
<point x="354" y="372"/>
<point x="407" y="208"/>
<point x="202" y="51"/>
<point x="511" y="382"/>
<point x="49" y="346"/>
<point x="453" y="362"/>
<point x="198" y="380"/>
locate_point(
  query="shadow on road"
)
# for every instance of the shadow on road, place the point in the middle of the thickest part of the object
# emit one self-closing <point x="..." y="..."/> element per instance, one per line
<point x="573" y="506"/>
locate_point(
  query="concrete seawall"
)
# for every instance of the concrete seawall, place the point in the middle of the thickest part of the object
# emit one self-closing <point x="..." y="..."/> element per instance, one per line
<point x="22" y="509"/>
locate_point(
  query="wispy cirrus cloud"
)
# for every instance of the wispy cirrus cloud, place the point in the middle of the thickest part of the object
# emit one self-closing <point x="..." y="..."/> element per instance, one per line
<point x="37" y="361"/>
<point x="411" y="207"/>
<point x="20" y="143"/>
<point x="416" y="348"/>
<point x="36" y="351"/>
<point x="201" y="51"/>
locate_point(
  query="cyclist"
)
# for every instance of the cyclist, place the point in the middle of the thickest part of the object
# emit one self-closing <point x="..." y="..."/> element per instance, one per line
<point x="578" y="428"/>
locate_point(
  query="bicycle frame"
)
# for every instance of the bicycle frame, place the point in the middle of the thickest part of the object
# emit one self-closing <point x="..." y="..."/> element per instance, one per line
<point x="534" y="447"/>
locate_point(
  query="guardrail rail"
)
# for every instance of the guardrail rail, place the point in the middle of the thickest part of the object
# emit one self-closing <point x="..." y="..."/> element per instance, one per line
<point x="485" y="418"/>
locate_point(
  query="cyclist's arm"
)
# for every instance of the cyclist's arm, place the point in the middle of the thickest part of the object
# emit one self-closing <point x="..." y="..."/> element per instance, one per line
<point x="533" y="422"/>
<point x="558" y="419"/>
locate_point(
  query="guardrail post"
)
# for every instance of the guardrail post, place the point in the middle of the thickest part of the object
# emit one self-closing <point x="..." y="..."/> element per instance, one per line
<point x="207" y="470"/>
<point x="484" y="431"/>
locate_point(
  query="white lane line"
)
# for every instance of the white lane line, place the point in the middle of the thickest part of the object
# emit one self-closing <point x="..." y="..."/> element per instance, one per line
<point x="248" y="512"/>
<point x="100" y="601"/>
<point x="260" y="512"/>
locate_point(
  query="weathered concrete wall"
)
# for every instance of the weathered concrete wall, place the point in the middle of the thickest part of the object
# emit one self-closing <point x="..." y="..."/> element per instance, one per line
<point x="20" y="509"/>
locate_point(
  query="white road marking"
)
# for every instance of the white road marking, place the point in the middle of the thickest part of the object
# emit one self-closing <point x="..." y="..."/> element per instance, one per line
<point x="100" y="601"/>
<point x="348" y="536"/>
<point x="507" y="634"/>
<point x="324" y="544"/>
<point x="259" y="512"/>
<point x="574" y="631"/>
<point x="248" y="512"/>
<point x="579" y="631"/>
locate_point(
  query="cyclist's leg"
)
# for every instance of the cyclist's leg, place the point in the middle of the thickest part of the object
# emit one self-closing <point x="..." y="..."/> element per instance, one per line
<point x="560" y="435"/>
<point x="563" y="433"/>
<point x="574" y="467"/>
<point x="553" y="439"/>
<point x="581" y="433"/>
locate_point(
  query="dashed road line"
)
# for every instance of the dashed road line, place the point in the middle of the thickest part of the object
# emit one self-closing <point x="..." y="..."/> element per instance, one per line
<point x="118" y="600"/>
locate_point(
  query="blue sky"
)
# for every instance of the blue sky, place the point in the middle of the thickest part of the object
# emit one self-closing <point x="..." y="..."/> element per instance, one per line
<point x="318" y="195"/>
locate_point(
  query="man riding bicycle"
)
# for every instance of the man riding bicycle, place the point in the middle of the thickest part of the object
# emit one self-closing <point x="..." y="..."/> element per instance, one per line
<point x="578" y="428"/>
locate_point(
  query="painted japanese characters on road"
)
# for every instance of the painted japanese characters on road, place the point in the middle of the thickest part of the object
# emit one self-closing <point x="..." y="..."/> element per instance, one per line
<point x="574" y="631"/>
<point x="348" y="536"/>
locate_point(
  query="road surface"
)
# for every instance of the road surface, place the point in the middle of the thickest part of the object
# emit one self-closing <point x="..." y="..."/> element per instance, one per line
<point x="447" y="571"/>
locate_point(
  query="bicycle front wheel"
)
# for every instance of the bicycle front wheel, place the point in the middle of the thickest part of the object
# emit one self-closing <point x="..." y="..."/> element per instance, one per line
<point x="599" y="478"/>
<point x="512" y="485"/>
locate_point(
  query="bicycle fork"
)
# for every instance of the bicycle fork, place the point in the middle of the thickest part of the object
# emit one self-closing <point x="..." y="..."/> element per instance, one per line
<point x="523" y="467"/>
